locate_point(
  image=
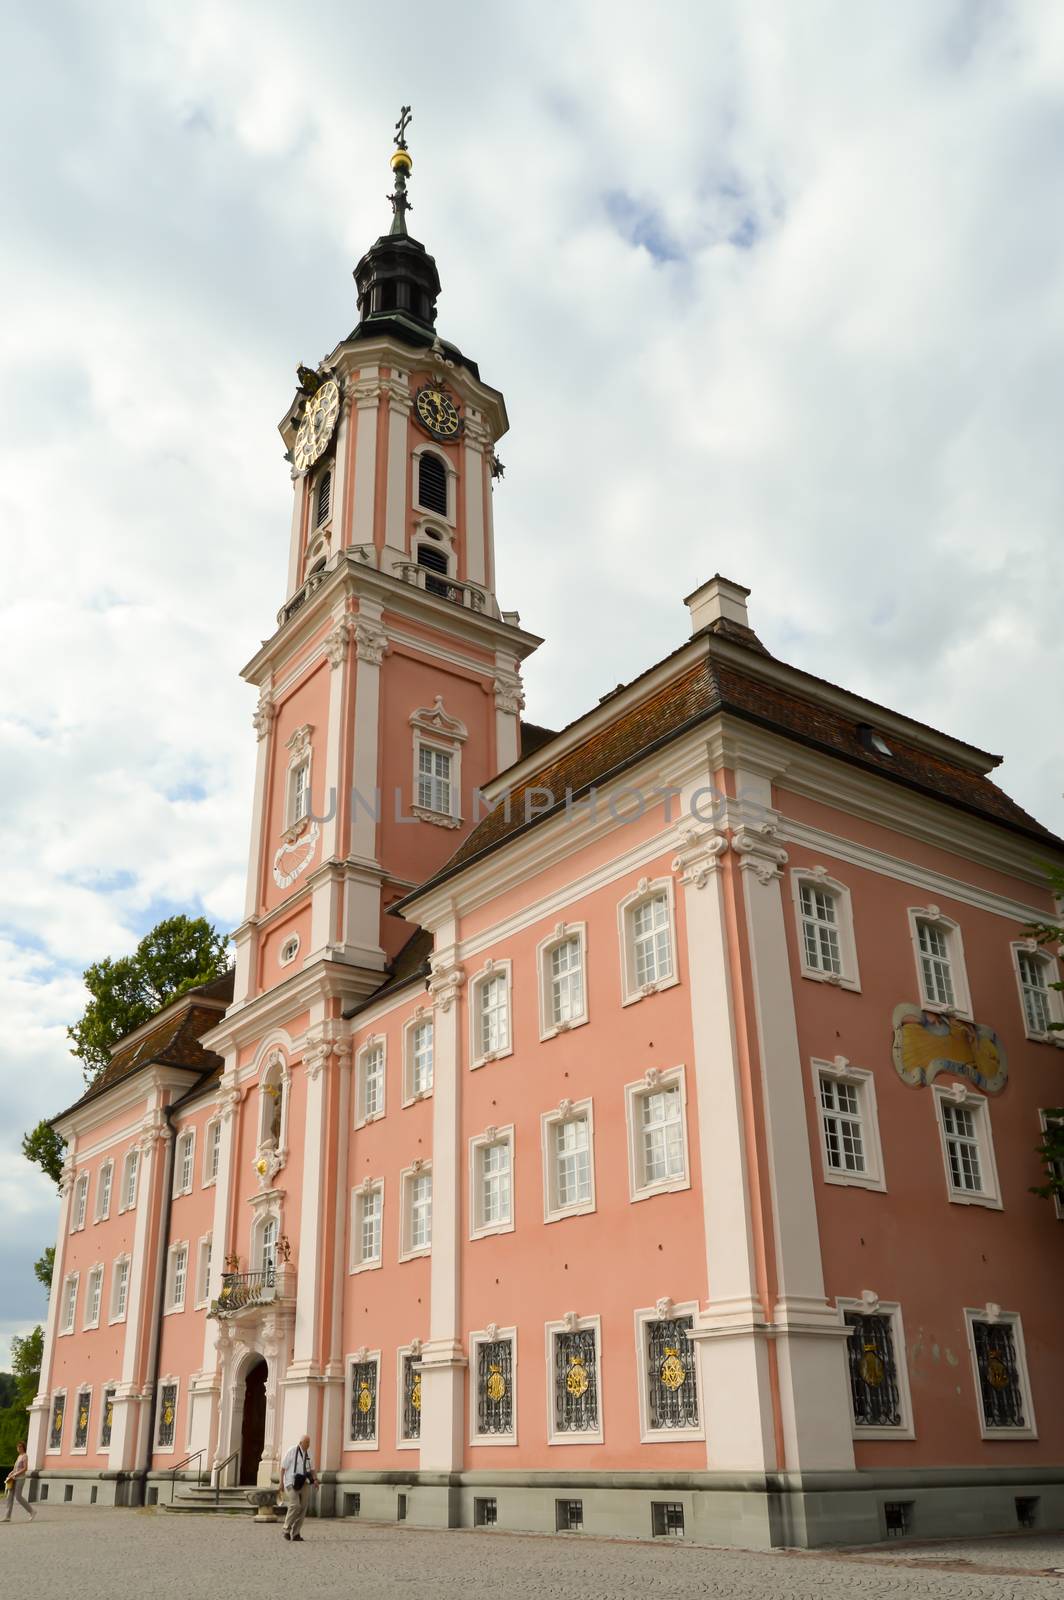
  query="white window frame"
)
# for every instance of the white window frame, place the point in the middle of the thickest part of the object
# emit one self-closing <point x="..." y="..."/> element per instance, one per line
<point x="643" y="1316"/>
<point x="563" y="933"/>
<point x="1044" y="1121"/>
<point x="860" y="1079"/>
<point x="202" y="1288"/>
<point x="172" y="1303"/>
<point x="187" y="1137"/>
<point x="212" y="1142"/>
<point x="411" y="1095"/>
<point x="413" y="1349"/>
<point x="376" y="1041"/>
<point x="873" y="1306"/>
<point x="110" y="1388"/>
<point x="114" y="1316"/>
<point x="418" y="1169"/>
<point x="1054" y="997"/>
<point x="653" y="1080"/>
<point x="81" y="1449"/>
<point x="301" y="758"/>
<point x="962" y="1003"/>
<point x="68" y="1305"/>
<point x="96" y="1273"/>
<point x="157" y="1448"/>
<point x="993" y="1313"/>
<point x="646" y="889"/>
<point x="415" y="487"/>
<point x="50" y="1448"/>
<point x="491" y="1335"/>
<point x="361" y="1358"/>
<point x="959" y="1094"/>
<point x="549" y="1122"/>
<point x="270" y="1217"/>
<point x="817" y="878"/>
<point x="102" y="1213"/>
<point x="358" y="1196"/>
<point x="132" y="1155"/>
<point x="433" y="729"/>
<point x="79" y="1209"/>
<point x="482" y="1141"/>
<point x="573" y="1324"/>
<point x="491" y="969"/>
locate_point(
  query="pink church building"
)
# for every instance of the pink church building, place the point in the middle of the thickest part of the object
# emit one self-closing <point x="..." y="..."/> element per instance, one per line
<point x="629" y="1128"/>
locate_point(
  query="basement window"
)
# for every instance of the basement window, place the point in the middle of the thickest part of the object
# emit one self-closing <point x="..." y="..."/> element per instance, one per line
<point x="898" y="1516"/>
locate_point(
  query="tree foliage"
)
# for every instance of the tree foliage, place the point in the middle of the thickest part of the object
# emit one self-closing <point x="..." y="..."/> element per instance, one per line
<point x="44" y="1146"/>
<point x="26" y="1356"/>
<point x="44" y="1267"/>
<point x="177" y="955"/>
<point x="1051" y="1150"/>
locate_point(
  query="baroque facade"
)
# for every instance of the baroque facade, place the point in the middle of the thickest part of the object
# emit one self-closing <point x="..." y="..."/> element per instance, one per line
<point x="630" y="1127"/>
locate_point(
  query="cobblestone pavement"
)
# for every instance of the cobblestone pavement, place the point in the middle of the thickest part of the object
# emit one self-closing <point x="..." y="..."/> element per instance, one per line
<point x="140" y="1555"/>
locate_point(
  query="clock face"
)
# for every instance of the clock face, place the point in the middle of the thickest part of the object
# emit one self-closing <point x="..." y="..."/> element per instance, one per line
<point x="316" y="429"/>
<point x="437" y="413"/>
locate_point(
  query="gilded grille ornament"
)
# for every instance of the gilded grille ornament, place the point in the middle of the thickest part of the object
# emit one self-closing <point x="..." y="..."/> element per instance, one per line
<point x="576" y="1379"/>
<point x="495" y="1397"/>
<point x="673" y="1371"/>
<point x="875" y="1392"/>
<point x="871" y="1367"/>
<point x="495" y="1387"/>
<point x="1000" y="1385"/>
<point x="997" y="1373"/>
<point x="365" y="1398"/>
<point x="415" y="1392"/>
<point x="672" y="1393"/>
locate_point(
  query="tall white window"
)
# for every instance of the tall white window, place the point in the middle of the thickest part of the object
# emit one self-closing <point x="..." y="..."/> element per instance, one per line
<point x="419" y="1045"/>
<point x="878" y="1371"/>
<point x="1037" y="974"/>
<point x="70" y="1303"/>
<point x="964" y="1126"/>
<point x="935" y="962"/>
<point x="562" y="979"/>
<point x="371" y="1081"/>
<point x="103" y="1191"/>
<point x="568" y="1165"/>
<point x="299" y="792"/>
<point x="820" y="933"/>
<point x="940" y="965"/>
<point x="849" y="1132"/>
<point x="177" y="1276"/>
<point x="490" y="1013"/>
<point x="367" y="1211"/>
<point x="129" y="1179"/>
<point x="827" y="949"/>
<point x="268" y="1247"/>
<point x="93" y="1297"/>
<point x="999" y="1367"/>
<point x="657" y="1132"/>
<point x="648" y="940"/>
<point x="213" y="1153"/>
<point x="417" y="1211"/>
<point x="81" y="1203"/>
<point x="183" y="1163"/>
<point x="434" y="779"/>
<point x="203" y="1270"/>
<point x="119" y="1288"/>
<point x="491" y="1182"/>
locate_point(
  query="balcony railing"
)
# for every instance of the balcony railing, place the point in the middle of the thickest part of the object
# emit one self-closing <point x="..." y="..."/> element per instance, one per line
<point x="437" y="583"/>
<point x="243" y="1290"/>
<point x="300" y="598"/>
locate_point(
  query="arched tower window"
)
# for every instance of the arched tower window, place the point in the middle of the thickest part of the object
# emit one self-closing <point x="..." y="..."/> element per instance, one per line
<point x="324" y="499"/>
<point x="434" y="561"/>
<point x="432" y="483"/>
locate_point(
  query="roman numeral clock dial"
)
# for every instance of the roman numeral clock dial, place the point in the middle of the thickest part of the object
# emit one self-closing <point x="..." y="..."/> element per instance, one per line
<point x="437" y="413"/>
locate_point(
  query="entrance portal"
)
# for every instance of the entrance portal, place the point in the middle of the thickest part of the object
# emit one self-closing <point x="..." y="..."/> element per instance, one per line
<point x="253" y="1427"/>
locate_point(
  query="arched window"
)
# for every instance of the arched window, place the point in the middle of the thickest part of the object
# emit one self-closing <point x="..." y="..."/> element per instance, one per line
<point x="321" y="510"/>
<point x="434" y="561"/>
<point x="432" y="483"/>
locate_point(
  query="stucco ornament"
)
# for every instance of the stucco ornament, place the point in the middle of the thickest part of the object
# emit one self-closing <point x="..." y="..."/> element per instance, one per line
<point x="699" y="855"/>
<point x="263" y="714"/>
<point x="295" y="853"/>
<point x="759" y="850"/>
<point x="927" y="1043"/>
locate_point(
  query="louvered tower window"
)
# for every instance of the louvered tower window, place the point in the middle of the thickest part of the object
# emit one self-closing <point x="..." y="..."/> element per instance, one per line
<point x="434" y="561"/>
<point x="324" y="499"/>
<point x="432" y="483"/>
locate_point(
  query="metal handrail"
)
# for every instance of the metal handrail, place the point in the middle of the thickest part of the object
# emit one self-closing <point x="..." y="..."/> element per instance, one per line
<point x="175" y="1470"/>
<point x="219" y="1467"/>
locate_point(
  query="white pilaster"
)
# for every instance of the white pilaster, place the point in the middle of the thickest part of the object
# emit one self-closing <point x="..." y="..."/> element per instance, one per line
<point x="131" y="1395"/>
<point x="326" y="895"/>
<point x="205" y="1386"/>
<point x="473" y="481"/>
<point x="37" y="1433"/>
<point x="509" y="703"/>
<point x="339" y="471"/>
<point x="731" y="1332"/>
<point x="295" y="548"/>
<point x="371" y="643"/>
<point x="366" y="398"/>
<point x="395" y="505"/>
<point x="332" y="1419"/>
<point x="443" y="1360"/>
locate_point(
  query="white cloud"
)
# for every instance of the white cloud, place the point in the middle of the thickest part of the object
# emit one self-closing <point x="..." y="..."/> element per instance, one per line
<point x="770" y="290"/>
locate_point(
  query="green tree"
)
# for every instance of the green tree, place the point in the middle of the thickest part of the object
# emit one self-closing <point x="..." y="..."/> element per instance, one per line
<point x="44" y="1267"/>
<point x="44" y="1146"/>
<point x="175" y="956"/>
<point x="26" y="1356"/>
<point x="1051" y="1150"/>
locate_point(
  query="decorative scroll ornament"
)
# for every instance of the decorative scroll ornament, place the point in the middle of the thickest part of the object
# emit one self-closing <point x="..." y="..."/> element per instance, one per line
<point x="445" y="980"/>
<point x="509" y="695"/>
<point x="699" y="855"/>
<point x="335" y="646"/>
<point x="759" y="851"/>
<point x="295" y="853"/>
<point x="371" y="642"/>
<point x="263" y="714"/>
<point x="673" y="1371"/>
<point x="927" y="1043"/>
<point x="268" y="1164"/>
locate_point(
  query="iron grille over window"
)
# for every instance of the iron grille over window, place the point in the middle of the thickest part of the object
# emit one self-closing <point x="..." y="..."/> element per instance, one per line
<point x="363" y="1400"/>
<point x="495" y="1386"/>
<point x="81" y="1422"/>
<point x="108" y="1418"/>
<point x="666" y="1519"/>
<point x="569" y="1516"/>
<point x="576" y="1407"/>
<point x="999" y="1375"/>
<point x="167" y="1414"/>
<point x="411" y="1399"/>
<point x="873" y="1371"/>
<point x="672" y="1397"/>
<point x="432" y="484"/>
<point x="485" y="1512"/>
<point x="55" y="1432"/>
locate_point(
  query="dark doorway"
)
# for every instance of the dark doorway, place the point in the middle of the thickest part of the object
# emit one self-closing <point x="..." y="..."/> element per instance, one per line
<point x="253" y="1427"/>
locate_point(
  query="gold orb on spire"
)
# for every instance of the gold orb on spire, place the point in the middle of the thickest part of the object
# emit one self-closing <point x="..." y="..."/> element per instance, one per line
<point x="402" y="160"/>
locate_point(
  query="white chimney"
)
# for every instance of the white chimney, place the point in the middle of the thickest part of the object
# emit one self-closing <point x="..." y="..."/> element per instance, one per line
<point x="717" y="601"/>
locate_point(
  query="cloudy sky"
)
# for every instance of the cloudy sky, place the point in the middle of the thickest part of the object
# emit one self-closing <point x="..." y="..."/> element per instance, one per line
<point x="775" y="290"/>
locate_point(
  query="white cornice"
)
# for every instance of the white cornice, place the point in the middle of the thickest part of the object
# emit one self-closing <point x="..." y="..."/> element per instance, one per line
<point x="353" y="355"/>
<point x="312" y="986"/>
<point x="133" y="1090"/>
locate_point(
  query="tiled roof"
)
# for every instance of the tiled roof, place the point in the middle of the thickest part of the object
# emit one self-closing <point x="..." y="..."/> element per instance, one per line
<point x="718" y="683"/>
<point x="408" y="966"/>
<point x="174" y="1040"/>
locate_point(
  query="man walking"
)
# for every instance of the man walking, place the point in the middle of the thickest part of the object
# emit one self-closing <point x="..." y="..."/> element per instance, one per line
<point x="15" y="1483"/>
<point x="297" y="1475"/>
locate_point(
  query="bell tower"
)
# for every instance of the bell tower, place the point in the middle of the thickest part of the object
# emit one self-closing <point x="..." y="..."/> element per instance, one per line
<point x="390" y="690"/>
